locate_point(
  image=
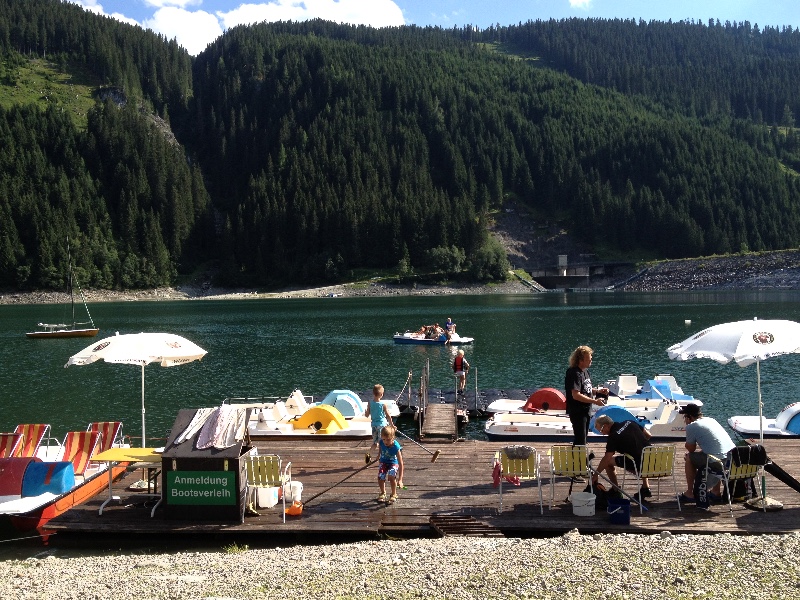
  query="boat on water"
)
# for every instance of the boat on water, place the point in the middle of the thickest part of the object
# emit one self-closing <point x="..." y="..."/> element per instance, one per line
<point x="74" y="328"/>
<point x="785" y="425"/>
<point x="549" y="426"/>
<point x="431" y="335"/>
<point x="42" y="478"/>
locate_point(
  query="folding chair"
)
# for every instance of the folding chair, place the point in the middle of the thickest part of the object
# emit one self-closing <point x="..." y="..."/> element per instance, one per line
<point x="9" y="444"/>
<point x="79" y="448"/>
<point x="658" y="462"/>
<point x="732" y="472"/>
<point x="521" y="462"/>
<point x="568" y="461"/>
<point x="264" y="471"/>
<point x="110" y="434"/>
<point x="32" y="436"/>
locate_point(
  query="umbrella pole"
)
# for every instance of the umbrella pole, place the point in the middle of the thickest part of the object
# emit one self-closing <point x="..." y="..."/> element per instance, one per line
<point x="144" y="439"/>
<point x="762" y="503"/>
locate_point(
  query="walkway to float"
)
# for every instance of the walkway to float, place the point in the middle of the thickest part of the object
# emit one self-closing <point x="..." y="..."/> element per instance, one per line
<point x="439" y="422"/>
<point x="454" y="494"/>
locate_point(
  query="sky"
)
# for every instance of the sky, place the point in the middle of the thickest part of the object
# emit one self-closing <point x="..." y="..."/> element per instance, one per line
<point x="197" y="23"/>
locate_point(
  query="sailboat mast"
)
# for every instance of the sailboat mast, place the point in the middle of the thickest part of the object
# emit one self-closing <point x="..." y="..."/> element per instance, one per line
<point x="69" y="282"/>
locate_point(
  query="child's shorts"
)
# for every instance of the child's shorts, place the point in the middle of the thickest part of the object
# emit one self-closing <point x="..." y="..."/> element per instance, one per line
<point x="376" y="434"/>
<point x="387" y="470"/>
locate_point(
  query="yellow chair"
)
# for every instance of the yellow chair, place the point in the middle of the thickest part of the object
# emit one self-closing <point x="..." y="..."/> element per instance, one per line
<point x="521" y="462"/>
<point x="658" y="462"/>
<point x="568" y="461"/>
<point x="266" y="471"/>
<point x="732" y="472"/>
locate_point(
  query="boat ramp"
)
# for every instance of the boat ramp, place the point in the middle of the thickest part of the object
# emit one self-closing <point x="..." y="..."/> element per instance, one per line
<point x="452" y="496"/>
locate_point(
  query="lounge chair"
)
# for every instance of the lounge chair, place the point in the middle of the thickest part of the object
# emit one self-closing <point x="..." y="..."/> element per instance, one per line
<point x="79" y="447"/>
<point x="32" y="436"/>
<point x="110" y="432"/>
<point x="9" y="444"/>
<point x="658" y="462"/>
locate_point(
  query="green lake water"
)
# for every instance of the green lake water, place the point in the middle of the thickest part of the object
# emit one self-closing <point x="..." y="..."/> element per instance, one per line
<point x="271" y="347"/>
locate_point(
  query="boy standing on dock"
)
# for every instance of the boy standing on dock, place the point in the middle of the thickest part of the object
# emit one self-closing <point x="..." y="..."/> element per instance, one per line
<point x="379" y="416"/>
<point x="391" y="464"/>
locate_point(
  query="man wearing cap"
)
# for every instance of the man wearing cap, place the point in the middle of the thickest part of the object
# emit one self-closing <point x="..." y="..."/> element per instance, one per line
<point x="712" y="439"/>
<point x="626" y="437"/>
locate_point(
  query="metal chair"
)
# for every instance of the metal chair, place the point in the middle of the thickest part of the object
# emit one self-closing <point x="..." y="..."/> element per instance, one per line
<point x="266" y="471"/>
<point x="733" y="472"/>
<point x="658" y="462"/>
<point x="9" y="442"/>
<point x="521" y="462"/>
<point x="568" y="461"/>
<point x="110" y="432"/>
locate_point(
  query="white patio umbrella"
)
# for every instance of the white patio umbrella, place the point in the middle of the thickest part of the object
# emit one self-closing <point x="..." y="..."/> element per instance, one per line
<point x="140" y="349"/>
<point x="745" y="342"/>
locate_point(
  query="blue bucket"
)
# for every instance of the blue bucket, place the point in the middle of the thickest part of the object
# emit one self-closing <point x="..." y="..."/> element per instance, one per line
<point x="619" y="510"/>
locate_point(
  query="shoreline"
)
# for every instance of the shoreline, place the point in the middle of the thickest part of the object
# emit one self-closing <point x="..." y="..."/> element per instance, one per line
<point x="762" y="271"/>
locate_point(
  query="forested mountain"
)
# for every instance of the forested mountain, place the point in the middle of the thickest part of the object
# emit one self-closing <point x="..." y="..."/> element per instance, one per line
<point x="305" y="151"/>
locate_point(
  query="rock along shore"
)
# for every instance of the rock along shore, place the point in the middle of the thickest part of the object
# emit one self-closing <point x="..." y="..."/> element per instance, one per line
<point x="763" y="271"/>
<point x="640" y="567"/>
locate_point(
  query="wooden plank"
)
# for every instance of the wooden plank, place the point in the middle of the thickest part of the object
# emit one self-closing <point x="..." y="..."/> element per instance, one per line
<point x="340" y="491"/>
<point x="439" y="421"/>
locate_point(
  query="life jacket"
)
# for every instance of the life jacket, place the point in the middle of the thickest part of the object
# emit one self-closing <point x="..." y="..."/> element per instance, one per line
<point x="458" y="363"/>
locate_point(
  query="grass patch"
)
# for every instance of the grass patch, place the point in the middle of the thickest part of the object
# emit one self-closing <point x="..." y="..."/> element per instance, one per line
<point x="41" y="82"/>
<point x="235" y="548"/>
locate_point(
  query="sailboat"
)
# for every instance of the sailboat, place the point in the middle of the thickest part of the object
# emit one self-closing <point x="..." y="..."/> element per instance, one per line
<point x="68" y="330"/>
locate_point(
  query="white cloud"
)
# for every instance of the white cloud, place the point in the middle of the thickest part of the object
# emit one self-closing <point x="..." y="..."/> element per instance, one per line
<point x="97" y="8"/>
<point x="377" y="13"/>
<point x="173" y="3"/>
<point x="194" y="30"/>
<point x="582" y="4"/>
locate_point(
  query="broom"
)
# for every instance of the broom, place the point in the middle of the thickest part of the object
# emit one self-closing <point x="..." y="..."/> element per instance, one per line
<point x="435" y="454"/>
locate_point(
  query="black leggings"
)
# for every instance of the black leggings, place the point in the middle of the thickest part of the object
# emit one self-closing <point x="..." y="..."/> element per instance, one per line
<point x="580" y="427"/>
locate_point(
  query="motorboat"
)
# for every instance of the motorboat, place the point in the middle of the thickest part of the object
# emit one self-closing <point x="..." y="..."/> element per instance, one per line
<point x="661" y="422"/>
<point x="425" y="338"/>
<point x="43" y="478"/>
<point x="785" y="425"/>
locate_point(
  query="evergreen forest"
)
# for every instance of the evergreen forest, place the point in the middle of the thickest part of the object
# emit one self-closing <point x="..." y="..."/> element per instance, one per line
<point x="306" y="152"/>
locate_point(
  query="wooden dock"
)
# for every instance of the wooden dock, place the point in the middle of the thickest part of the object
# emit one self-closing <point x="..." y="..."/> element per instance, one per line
<point x="453" y="495"/>
<point x="440" y="422"/>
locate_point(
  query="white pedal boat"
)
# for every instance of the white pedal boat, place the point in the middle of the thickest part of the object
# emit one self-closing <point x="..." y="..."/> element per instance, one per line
<point x="785" y="425"/>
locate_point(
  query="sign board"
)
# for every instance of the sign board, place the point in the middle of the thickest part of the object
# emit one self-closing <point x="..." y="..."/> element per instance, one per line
<point x="205" y="488"/>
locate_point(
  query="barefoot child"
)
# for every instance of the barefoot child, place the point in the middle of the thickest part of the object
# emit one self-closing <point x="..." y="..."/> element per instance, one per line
<point x="379" y="416"/>
<point x="391" y="464"/>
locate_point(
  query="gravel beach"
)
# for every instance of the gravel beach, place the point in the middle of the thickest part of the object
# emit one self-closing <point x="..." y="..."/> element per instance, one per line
<point x="571" y="566"/>
<point x="642" y="567"/>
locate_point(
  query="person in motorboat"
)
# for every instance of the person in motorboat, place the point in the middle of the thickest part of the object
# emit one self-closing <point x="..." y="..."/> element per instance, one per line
<point x="580" y="394"/>
<point x="712" y="440"/>
<point x="461" y="368"/>
<point x="391" y="464"/>
<point x="625" y="437"/>
<point x="379" y="417"/>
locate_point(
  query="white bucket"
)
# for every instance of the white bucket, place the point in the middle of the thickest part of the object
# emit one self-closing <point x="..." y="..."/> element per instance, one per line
<point x="583" y="504"/>
<point x="294" y="492"/>
<point x="266" y="497"/>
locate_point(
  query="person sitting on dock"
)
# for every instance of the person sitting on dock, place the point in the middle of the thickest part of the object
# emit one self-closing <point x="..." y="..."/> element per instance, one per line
<point x="626" y="437"/>
<point x="713" y="440"/>
<point x="461" y="368"/>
